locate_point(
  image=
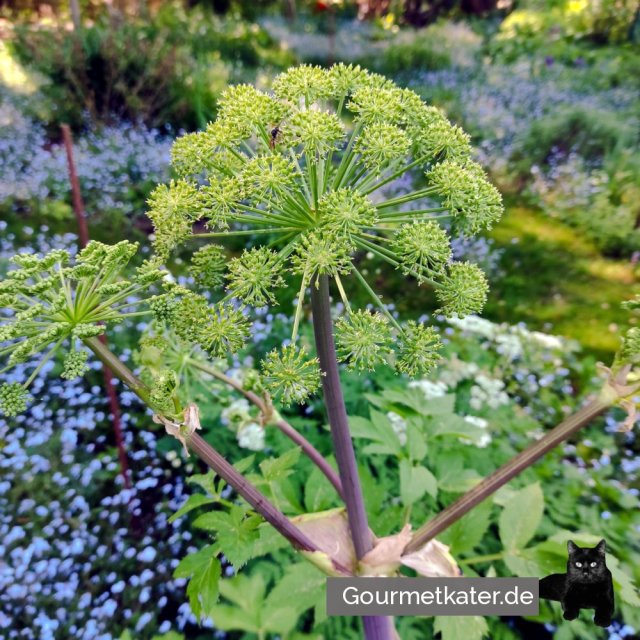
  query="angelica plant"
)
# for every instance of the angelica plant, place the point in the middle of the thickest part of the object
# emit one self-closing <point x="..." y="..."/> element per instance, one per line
<point x="302" y="173"/>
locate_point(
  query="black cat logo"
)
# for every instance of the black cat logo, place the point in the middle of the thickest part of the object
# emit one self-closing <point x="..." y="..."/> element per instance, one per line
<point x="586" y="585"/>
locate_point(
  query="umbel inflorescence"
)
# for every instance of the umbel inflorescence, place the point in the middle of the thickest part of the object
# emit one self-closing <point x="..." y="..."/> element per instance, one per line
<point x="303" y="170"/>
<point x="303" y="173"/>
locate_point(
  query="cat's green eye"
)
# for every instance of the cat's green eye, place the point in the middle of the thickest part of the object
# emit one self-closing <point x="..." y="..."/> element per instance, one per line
<point x="578" y="564"/>
<point x="594" y="564"/>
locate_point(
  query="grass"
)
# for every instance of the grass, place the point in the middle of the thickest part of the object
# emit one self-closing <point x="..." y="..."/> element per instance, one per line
<point x="557" y="281"/>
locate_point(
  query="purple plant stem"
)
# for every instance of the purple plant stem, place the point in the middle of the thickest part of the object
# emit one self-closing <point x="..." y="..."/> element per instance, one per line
<point x="215" y="461"/>
<point x="501" y="476"/>
<point x="375" y="627"/>
<point x="307" y="448"/>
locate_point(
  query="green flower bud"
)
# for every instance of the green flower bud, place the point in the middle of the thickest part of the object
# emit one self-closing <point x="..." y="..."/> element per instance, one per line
<point x="363" y="339"/>
<point x="242" y="109"/>
<point x="630" y="350"/>
<point x="419" y="350"/>
<point x="322" y="254"/>
<point x="264" y="177"/>
<point x="193" y="154"/>
<point x="303" y="84"/>
<point x="346" y="211"/>
<point x="381" y="144"/>
<point x="467" y="193"/>
<point x="290" y="375"/>
<point x="253" y="276"/>
<point x="173" y="209"/>
<point x="422" y="249"/>
<point x="374" y="106"/>
<point x="75" y="365"/>
<point x="318" y="132"/>
<point x="344" y="79"/>
<point x="163" y="387"/>
<point x="208" y="265"/>
<point x="463" y="290"/>
<point x="13" y="399"/>
<point x="220" y="200"/>
<point x="441" y="140"/>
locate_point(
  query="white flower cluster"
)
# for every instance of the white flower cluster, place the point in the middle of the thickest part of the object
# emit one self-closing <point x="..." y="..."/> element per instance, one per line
<point x="399" y="426"/>
<point x="237" y="416"/>
<point x="488" y="391"/>
<point x="429" y="388"/>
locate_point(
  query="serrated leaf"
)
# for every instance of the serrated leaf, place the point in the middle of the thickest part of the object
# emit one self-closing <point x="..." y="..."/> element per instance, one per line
<point x="203" y="569"/>
<point x="235" y="534"/>
<point x="319" y="494"/>
<point x="457" y="627"/>
<point x="228" y="618"/>
<point x="465" y="534"/>
<point x="415" y="482"/>
<point x="281" y="467"/>
<point x="377" y="429"/>
<point x="521" y="516"/>
<point x="242" y="465"/>
<point x="193" y="502"/>
<point x="416" y="442"/>
<point x="303" y="580"/>
<point x="204" y="481"/>
<point x="191" y="563"/>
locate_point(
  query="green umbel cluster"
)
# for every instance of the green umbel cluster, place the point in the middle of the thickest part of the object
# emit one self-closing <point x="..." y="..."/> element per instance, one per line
<point x="57" y="301"/>
<point x="304" y="174"/>
<point x="630" y="349"/>
<point x="305" y="168"/>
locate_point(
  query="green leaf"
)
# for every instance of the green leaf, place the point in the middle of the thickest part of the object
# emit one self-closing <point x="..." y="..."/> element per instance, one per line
<point x="416" y="442"/>
<point x="278" y="468"/>
<point x="319" y="494"/>
<point x="451" y="474"/>
<point x="204" y="481"/>
<point x="465" y="534"/>
<point x="278" y="620"/>
<point x="193" y="502"/>
<point x="458" y="627"/>
<point x="234" y="533"/>
<point x="246" y="591"/>
<point x="204" y="570"/>
<point x="303" y="579"/>
<point x="269" y="541"/>
<point x="415" y="482"/>
<point x="521" y="516"/>
<point x="228" y="618"/>
<point x="378" y="429"/>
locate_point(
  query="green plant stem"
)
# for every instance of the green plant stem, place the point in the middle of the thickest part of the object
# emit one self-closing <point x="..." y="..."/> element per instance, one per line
<point x="376" y="628"/>
<point x="308" y="449"/>
<point x="214" y="460"/>
<point x="507" y="471"/>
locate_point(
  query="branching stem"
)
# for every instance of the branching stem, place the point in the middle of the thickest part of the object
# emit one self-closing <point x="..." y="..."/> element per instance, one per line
<point x="507" y="471"/>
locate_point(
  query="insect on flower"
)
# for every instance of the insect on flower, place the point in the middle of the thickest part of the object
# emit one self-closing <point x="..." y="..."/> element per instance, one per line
<point x="274" y="137"/>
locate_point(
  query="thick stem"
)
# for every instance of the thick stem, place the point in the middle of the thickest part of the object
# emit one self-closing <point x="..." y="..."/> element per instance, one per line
<point x="507" y="471"/>
<point x="243" y="487"/>
<point x="376" y="628"/>
<point x="307" y="448"/>
<point x="214" y="460"/>
<point x="337" y="413"/>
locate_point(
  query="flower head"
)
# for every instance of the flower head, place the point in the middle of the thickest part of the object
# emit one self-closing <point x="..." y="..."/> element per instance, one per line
<point x="422" y="248"/>
<point x="253" y="276"/>
<point x="419" y="351"/>
<point x="463" y="290"/>
<point x="13" y="398"/>
<point x="208" y="265"/>
<point x="290" y="375"/>
<point x="363" y="339"/>
<point x="56" y="301"/>
<point x="305" y="172"/>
